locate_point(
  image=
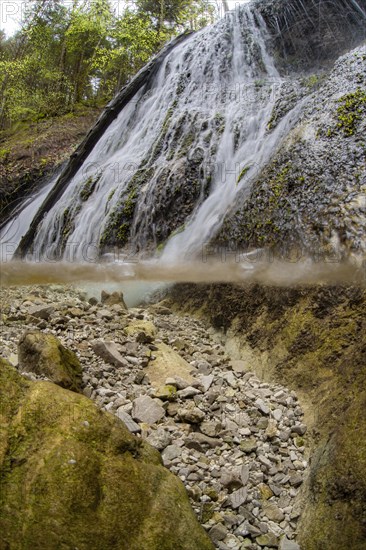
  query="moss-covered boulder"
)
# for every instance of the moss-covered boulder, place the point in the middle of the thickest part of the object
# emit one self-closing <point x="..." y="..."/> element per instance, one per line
<point x="74" y="477"/>
<point x="44" y="354"/>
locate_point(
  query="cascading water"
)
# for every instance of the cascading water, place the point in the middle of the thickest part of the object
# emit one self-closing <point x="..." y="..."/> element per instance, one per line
<point x="202" y="124"/>
<point x="180" y="154"/>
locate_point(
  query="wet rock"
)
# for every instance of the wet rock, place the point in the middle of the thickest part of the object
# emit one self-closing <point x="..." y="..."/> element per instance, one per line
<point x="105" y="314"/>
<point x="75" y="458"/>
<point x="192" y="414"/>
<point x="244" y="474"/>
<point x="167" y="364"/>
<point x="277" y="414"/>
<point x="112" y="299"/>
<point x="43" y="354"/>
<point x="170" y="453"/>
<point x="261" y="405"/>
<point x="231" y="479"/>
<point x="239" y="366"/>
<point x="248" y="445"/>
<point x="287" y="544"/>
<point x="299" y="429"/>
<point x="210" y="428"/>
<point x="227" y="447"/>
<point x="296" y="479"/>
<point x="188" y="392"/>
<point x="271" y="430"/>
<point x="265" y="491"/>
<point x="41" y="312"/>
<point x="237" y="498"/>
<point x="206" y="382"/>
<point x="166" y="393"/>
<point x="203" y="440"/>
<point x="109" y="352"/>
<point x="218" y="532"/>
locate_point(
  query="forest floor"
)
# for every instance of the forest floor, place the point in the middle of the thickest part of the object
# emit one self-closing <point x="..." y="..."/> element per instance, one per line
<point x="31" y="151"/>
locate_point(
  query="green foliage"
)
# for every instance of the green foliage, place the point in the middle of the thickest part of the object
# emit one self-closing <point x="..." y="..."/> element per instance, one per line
<point x="79" y="52"/>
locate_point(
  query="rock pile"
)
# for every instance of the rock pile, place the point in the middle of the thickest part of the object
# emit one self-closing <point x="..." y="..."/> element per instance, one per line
<point x="236" y="442"/>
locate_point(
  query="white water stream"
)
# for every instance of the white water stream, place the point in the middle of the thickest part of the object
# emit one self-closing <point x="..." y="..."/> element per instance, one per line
<point x="222" y="80"/>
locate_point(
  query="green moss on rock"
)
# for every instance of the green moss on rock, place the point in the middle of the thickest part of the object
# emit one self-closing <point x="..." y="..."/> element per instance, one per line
<point x="351" y="111"/>
<point x="44" y="354"/>
<point x="74" y="477"/>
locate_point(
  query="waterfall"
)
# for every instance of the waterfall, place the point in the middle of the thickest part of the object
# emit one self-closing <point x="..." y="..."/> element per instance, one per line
<point x="180" y="153"/>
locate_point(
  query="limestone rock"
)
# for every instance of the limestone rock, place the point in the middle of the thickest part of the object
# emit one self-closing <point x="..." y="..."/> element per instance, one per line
<point x="248" y="445"/>
<point x="286" y="544"/>
<point x="239" y="366"/>
<point x="210" y="428"/>
<point x="269" y="539"/>
<point x="109" y="352"/>
<point x="188" y="392"/>
<point x="43" y="354"/>
<point x="171" y="452"/>
<point x="231" y="479"/>
<point x="167" y="364"/>
<point x="41" y="312"/>
<point x="271" y="430"/>
<point x="218" y="532"/>
<point x="265" y="491"/>
<point x="203" y="440"/>
<point x="147" y="410"/>
<point x="237" y="498"/>
<point x="167" y="392"/>
<point x="244" y="474"/>
<point x="193" y="415"/>
<point x="138" y="326"/>
<point x="112" y="299"/>
<point x="159" y="439"/>
<point x="126" y="418"/>
<point x="273" y="512"/>
<point x="104" y="314"/>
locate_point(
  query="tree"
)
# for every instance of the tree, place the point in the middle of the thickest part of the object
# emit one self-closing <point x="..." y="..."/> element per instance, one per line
<point x="66" y="54"/>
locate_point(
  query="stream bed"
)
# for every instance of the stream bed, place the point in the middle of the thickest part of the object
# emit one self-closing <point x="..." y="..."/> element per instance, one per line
<point x="237" y="443"/>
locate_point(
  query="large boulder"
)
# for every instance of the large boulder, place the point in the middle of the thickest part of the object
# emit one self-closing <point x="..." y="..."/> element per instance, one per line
<point x="44" y="354"/>
<point x="74" y="477"/>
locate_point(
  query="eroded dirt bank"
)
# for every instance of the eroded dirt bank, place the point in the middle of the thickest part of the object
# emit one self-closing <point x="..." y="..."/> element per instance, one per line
<point x="312" y="339"/>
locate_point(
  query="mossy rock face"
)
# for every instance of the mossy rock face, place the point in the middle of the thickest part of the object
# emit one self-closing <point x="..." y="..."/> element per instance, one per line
<point x="313" y="340"/>
<point x="44" y="354"/>
<point x="74" y="477"/>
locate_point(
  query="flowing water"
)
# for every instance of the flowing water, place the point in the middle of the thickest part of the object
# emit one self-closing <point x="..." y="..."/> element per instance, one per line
<point x="216" y="91"/>
<point x="210" y="103"/>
